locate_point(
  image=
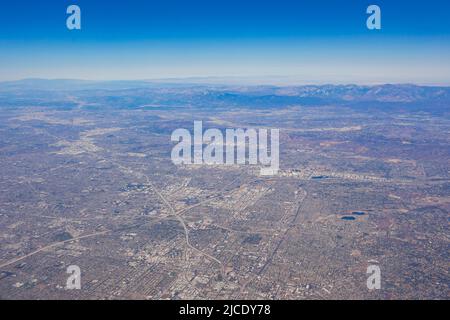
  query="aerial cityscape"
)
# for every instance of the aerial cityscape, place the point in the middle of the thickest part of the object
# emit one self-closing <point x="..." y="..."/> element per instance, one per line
<point x="224" y="150"/>
<point x="87" y="180"/>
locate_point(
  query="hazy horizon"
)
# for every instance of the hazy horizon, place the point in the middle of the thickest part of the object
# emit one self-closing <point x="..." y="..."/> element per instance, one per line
<point x="232" y="81"/>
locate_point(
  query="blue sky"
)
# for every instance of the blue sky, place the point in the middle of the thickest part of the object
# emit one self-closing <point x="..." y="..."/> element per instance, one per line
<point x="310" y="41"/>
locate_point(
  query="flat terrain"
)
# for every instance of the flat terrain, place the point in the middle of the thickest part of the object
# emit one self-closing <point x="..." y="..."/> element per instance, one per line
<point x="86" y="179"/>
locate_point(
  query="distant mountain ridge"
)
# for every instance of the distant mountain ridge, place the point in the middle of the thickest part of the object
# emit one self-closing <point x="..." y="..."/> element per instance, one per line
<point x="384" y="92"/>
<point x="137" y="93"/>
